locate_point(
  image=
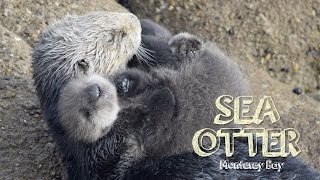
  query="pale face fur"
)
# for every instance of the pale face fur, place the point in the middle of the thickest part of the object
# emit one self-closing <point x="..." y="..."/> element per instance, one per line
<point x="86" y="117"/>
<point x="101" y="42"/>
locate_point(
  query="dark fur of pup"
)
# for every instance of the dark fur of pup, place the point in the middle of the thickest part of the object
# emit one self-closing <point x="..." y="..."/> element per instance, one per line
<point x="196" y="75"/>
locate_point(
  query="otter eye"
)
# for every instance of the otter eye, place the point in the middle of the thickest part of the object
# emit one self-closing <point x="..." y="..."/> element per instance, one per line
<point x="83" y="65"/>
<point x="123" y="34"/>
<point x="111" y="38"/>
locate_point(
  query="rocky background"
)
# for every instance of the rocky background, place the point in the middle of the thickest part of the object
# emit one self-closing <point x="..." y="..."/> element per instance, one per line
<point x="277" y="43"/>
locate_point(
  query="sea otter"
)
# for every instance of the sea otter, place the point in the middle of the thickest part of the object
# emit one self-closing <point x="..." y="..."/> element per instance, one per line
<point x="180" y="101"/>
<point x="102" y="157"/>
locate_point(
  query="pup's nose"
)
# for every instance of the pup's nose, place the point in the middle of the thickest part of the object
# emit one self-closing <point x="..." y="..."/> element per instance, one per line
<point x="94" y="92"/>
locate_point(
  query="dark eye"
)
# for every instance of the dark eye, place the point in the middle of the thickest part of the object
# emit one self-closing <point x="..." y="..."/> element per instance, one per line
<point x="123" y="34"/>
<point x="86" y="113"/>
<point x="83" y="65"/>
<point x="111" y="38"/>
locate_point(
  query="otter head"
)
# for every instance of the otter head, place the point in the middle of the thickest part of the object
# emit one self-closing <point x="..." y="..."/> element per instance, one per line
<point x="88" y="107"/>
<point x="101" y="42"/>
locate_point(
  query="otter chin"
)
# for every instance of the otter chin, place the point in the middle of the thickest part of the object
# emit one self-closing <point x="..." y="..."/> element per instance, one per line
<point x="88" y="107"/>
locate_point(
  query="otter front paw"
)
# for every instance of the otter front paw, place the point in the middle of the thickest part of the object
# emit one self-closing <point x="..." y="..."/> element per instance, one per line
<point x="185" y="44"/>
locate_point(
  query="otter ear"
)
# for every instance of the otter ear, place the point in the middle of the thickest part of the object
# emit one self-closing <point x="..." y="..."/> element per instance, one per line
<point x="162" y="104"/>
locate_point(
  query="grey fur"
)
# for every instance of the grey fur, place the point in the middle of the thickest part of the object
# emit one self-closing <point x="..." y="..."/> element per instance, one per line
<point x="204" y="74"/>
<point x="101" y="42"/>
<point x="196" y="75"/>
<point x="87" y="118"/>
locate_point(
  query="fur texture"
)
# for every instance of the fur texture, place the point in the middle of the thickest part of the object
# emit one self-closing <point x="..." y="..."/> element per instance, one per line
<point x="196" y="75"/>
<point x="161" y="106"/>
<point x="88" y="107"/>
<point x="101" y="42"/>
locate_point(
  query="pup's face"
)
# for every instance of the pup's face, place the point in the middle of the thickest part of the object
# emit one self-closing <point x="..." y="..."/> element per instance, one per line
<point x="88" y="107"/>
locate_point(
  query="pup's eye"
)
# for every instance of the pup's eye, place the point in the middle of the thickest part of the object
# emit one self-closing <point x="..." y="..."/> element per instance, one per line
<point x="124" y="85"/>
<point x="83" y="65"/>
<point x="86" y="113"/>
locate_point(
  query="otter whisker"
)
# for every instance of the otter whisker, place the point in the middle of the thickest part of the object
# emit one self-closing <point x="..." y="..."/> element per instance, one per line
<point x="145" y="53"/>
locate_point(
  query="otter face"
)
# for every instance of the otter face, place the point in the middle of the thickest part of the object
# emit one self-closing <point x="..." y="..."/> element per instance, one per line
<point x="88" y="107"/>
<point x="100" y="42"/>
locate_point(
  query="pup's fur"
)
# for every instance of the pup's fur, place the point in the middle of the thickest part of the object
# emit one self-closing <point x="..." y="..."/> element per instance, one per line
<point x="196" y="73"/>
<point x="88" y="107"/>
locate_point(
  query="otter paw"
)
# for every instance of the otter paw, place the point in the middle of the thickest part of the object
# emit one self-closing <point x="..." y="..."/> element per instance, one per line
<point x="185" y="44"/>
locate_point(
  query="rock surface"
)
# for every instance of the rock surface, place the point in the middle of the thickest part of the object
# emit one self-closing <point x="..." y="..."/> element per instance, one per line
<point x="28" y="152"/>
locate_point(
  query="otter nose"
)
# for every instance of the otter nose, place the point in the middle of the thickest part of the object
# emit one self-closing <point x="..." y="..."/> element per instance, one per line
<point x="94" y="92"/>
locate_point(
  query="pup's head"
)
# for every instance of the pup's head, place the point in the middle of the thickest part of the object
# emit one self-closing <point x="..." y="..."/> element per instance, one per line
<point x="88" y="107"/>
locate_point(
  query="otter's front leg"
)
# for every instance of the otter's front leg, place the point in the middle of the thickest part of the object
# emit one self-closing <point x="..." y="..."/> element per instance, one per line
<point x="185" y="45"/>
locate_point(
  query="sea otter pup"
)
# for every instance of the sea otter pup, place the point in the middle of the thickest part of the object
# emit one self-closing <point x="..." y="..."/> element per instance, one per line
<point x="106" y="134"/>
